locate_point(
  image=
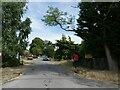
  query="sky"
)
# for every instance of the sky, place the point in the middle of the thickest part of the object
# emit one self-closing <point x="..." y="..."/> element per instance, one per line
<point x="36" y="11"/>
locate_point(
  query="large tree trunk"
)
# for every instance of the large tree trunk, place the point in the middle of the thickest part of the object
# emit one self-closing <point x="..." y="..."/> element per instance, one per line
<point x="112" y="64"/>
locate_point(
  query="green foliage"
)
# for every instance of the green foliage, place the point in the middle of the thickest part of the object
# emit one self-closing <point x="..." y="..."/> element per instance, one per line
<point x="14" y="31"/>
<point x="98" y="25"/>
<point x="65" y="48"/>
<point x="36" y="47"/>
<point x="36" y="51"/>
<point x="40" y="47"/>
<point x="37" y="42"/>
<point x="0" y="43"/>
<point x="48" y="49"/>
<point x="91" y="17"/>
<point x="56" y="17"/>
<point x="26" y="53"/>
<point x="10" y="62"/>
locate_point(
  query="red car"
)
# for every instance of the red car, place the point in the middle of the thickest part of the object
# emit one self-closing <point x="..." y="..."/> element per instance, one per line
<point x="30" y="58"/>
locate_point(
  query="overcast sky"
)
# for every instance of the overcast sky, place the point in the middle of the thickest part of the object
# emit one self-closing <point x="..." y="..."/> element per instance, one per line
<point x="36" y="11"/>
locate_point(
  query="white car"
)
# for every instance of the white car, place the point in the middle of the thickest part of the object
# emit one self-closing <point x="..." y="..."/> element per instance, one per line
<point x="45" y="58"/>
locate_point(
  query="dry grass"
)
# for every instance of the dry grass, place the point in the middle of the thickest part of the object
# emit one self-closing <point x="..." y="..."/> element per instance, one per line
<point x="27" y="62"/>
<point x="11" y="73"/>
<point x="105" y="76"/>
<point x="59" y="62"/>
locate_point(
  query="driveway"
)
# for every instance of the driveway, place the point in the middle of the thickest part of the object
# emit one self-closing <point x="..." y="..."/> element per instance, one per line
<point x="44" y="74"/>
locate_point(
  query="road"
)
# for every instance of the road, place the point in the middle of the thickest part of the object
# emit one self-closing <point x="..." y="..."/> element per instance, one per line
<point x="44" y="74"/>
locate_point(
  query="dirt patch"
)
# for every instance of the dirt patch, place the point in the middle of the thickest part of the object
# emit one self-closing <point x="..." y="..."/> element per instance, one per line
<point x="105" y="76"/>
<point x="11" y="73"/>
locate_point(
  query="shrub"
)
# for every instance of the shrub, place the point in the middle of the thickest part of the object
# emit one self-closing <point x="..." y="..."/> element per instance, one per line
<point x="10" y="62"/>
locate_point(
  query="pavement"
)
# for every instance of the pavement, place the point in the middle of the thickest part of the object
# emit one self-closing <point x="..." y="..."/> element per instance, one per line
<point x="44" y="74"/>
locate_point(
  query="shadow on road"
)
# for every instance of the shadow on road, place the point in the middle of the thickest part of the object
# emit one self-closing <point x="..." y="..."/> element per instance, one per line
<point x="46" y="68"/>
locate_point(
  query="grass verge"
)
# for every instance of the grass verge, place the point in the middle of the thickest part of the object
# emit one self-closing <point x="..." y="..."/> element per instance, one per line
<point x="11" y="73"/>
<point x="101" y="75"/>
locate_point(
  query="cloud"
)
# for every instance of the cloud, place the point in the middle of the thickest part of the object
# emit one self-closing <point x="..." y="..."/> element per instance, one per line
<point x="36" y="11"/>
<point x="76" y="39"/>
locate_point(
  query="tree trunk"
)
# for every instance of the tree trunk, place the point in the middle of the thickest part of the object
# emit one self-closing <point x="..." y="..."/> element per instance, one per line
<point x="111" y="63"/>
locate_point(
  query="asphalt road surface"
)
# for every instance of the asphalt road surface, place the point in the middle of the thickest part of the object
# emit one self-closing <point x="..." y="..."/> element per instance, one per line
<point x="44" y="74"/>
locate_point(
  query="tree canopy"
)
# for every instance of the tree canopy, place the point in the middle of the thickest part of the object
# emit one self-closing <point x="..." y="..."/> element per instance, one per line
<point x="65" y="48"/>
<point x="48" y="48"/>
<point x="14" y="31"/>
<point x="99" y="28"/>
<point x="98" y="25"/>
<point x="36" y="47"/>
<point x="56" y="17"/>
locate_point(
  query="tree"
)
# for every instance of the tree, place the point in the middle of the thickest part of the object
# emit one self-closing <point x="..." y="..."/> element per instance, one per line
<point x="26" y="53"/>
<point x="96" y="24"/>
<point x="36" y="51"/>
<point x="48" y="48"/>
<point x="36" y="47"/>
<point x="0" y="26"/>
<point x="24" y="31"/>
<point x="56" y="17"/>
<point x="14" y="31"/>
<point x="65" y="48"/>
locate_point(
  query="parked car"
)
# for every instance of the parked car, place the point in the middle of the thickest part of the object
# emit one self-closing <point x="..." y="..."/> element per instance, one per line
<point x="30" y="57"/>
<point x="45" y="58"/>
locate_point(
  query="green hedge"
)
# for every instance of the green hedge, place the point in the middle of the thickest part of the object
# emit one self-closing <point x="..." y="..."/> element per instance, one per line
<point x="10" y="62"/>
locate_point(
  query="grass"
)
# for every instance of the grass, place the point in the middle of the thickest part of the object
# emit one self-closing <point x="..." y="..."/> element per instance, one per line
<point x="27" y="62"/>
<point x="105" y="76"/>
<point x="10" y="73"/>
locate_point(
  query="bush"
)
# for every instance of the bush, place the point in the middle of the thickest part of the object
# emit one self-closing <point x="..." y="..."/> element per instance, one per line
<point x="10" y="62"/>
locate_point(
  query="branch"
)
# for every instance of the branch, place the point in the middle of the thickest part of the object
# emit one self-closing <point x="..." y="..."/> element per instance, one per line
<point x="62" y="26"/>
<point x="107" y="13"/>
<point x="104" y="30"/>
